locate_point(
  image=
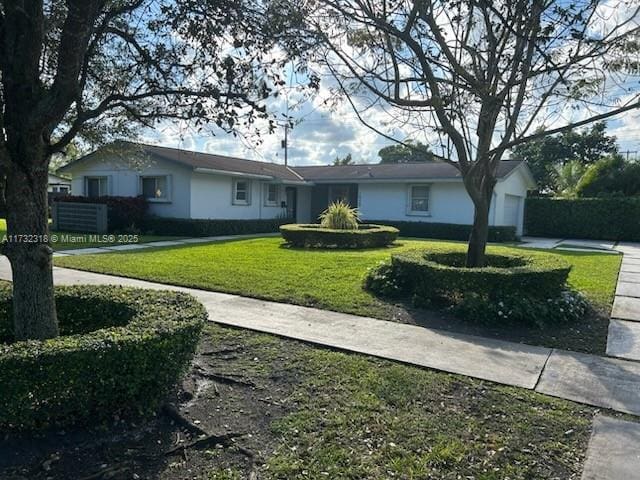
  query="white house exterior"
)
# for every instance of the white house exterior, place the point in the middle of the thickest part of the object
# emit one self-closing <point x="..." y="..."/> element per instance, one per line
<point x="57" y="184"/>
<point x="183" y="184"/>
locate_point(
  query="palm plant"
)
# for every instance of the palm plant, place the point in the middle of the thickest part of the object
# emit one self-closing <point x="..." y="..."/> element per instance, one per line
<point x="340" y="216"/>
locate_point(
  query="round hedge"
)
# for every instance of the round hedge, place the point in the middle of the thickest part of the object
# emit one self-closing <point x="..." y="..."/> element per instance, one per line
<point x="315" y="236"/>
<point x="441" y="273"/>
<point x="120" y="352"/>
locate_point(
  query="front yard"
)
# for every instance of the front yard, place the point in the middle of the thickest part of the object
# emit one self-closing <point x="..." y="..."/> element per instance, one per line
<point x="329" y="279"/>
<point x="301" y="412"/>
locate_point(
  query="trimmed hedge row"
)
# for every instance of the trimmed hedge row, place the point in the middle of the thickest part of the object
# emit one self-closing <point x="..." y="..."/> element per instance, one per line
<point x="438" y="273"/>
<point x="208" y="228"/>
<point x="120" y="352"/>
<point x="594" y="218"/>
<point x="315" y="236"/>
<point x="123" y="213"/>
<point x="448" y="231"/>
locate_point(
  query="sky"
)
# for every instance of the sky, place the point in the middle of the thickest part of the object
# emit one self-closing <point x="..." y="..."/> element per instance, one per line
<point x="325" y="129"/>
<point x="324" y="132"/>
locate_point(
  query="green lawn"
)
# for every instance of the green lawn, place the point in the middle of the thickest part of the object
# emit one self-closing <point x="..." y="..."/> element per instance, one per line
<point x="327" y="279"/>
<point x="83" y="240"/>
<point x="340" y="416"/>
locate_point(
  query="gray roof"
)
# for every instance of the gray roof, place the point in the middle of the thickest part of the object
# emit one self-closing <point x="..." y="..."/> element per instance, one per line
<point x="324" y="173"/>
<point x="213" y="161"/>
<point x="392" y="171"/>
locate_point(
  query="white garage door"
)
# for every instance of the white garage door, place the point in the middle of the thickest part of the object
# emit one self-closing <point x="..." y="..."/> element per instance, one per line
<point x="512" y="210"/>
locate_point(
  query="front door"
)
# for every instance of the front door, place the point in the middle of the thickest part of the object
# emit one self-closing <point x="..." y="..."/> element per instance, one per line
<point x="292" y="200"/>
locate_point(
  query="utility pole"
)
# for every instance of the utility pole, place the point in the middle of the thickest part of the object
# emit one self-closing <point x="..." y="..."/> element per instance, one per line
<point x="285" y="144"/>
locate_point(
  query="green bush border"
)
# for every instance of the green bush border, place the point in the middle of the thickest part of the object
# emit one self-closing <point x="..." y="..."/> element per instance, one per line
<point x="594" y="218"/>
<point x="123" y="368"/>
<point x="315" y="236"/>
<point x="187" y="227"/>
<point x="448" y="231"/>
<point x="539" y="275"/>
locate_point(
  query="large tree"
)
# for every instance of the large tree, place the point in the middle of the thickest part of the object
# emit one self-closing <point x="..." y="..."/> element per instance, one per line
<point x="548" y="155"/>
<point x="479" y="76"/>
<point x="99" y="68"/>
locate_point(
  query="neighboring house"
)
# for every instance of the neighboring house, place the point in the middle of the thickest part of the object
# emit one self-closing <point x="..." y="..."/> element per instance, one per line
<point x="185" y="184"/>
<point x="58" y="184"/>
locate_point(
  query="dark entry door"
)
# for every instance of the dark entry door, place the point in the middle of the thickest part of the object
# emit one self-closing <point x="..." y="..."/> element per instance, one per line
<point x="292" y="201"/>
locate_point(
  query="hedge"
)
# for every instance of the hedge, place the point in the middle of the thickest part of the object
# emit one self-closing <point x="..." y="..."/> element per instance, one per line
<point x="315" y="236"/>
<point x="592" y="218"/>
<point x="120" y="352"/>
<point x="208" y="228"/>
<point x="447" y="231"/>
<point x="440" y="272"/>
<point x="123" y="213"/>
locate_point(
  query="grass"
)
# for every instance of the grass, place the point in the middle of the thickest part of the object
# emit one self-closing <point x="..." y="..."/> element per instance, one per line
<point x="350" y="416"/>
<point x="309" y="413"/>
<point x="83" y="240"/>
<point x="327" y="279"/>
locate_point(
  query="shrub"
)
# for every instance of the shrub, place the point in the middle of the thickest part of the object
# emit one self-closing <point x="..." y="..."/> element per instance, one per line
<point x="595" y="218"/>
<point x="339" y="216"/>
<point x="315" y="236"/>
<point x="610" y="176"/>
<point x="208" y="228"/>
<point x="447" y="231"/>
<point x="123" y="213"/>
<point x="568" y="306"/>
<point x="120" y="352"/>
<point x="520" y="280"/>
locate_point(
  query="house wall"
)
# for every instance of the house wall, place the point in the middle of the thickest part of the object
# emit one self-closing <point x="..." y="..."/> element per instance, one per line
<point x="448" y="203"/>
<point x="124" y="180"/>
<point x="510" y="193"/>
<point x="212" y="195"/>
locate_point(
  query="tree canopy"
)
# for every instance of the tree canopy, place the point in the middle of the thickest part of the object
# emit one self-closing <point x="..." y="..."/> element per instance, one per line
<point x="547" y="155"/>
<point x="409" y="151"/>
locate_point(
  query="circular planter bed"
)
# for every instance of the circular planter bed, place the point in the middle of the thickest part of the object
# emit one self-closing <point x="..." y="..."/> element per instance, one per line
<point x="514" y="285"/>
<point x="315" y="236"/>
<point x="120" y="351"/>
<point x="437" y="273"/>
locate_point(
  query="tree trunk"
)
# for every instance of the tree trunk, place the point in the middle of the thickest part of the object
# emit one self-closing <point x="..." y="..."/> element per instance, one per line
<point x="34" y="311"/>
<point x="479" y="234"/>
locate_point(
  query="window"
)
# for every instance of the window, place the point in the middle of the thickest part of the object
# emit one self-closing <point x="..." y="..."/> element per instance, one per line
<point x="96" y="186"/>
<point x="241" y="192"/>
<point x="155" y="188"/>
<point x="271" y="195"/>
<point x="338" y="193"/>
<point x="419" y="199"/>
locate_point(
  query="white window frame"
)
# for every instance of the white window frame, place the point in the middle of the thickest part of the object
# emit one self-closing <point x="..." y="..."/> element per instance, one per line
<point x="100" y="179"/>
<point x="234" y="198"/>
<point x="276" y="193"/>
<point x="410" y="197"/>
<point x="167" y="182"/>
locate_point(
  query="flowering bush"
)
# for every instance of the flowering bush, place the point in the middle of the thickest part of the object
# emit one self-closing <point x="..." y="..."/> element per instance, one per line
<point x="569" y="306"/>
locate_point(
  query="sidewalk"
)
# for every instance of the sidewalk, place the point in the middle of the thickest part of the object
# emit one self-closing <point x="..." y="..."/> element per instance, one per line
<point x="160" y="243"/>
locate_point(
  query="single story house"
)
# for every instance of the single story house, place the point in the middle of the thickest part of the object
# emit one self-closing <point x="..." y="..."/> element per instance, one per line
<point x="58" y="184"/>
<point x="185" y="184"/>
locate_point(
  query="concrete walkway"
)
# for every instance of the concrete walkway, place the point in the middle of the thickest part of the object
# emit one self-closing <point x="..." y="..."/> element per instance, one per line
<point x="623" y="340"/>
<point x="125" y="247"/>
<point x="598" y="381"/>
